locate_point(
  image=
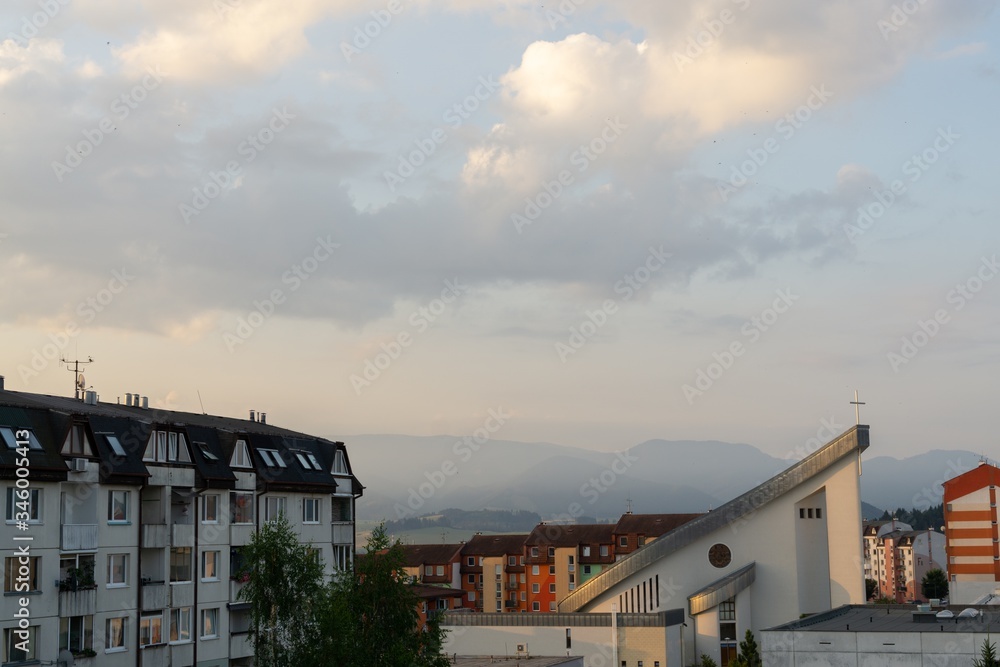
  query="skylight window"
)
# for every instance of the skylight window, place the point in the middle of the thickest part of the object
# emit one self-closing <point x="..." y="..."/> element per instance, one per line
<point x="272" y="458"/>
<point x="9" y="436"/>
<point x="206" y="452"/>
<point x="115" y="445"/>
<point x="308" y="461"/>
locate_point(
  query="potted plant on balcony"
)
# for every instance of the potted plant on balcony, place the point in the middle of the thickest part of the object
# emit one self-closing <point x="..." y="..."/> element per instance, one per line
<point x="79" y="578"/>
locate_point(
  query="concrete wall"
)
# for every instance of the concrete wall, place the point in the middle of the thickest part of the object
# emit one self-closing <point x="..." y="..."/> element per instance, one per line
<point x="870" y="649"/>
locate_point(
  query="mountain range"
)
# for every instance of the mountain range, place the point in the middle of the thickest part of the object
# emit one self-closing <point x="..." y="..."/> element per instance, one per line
<point x="409" y="476"/>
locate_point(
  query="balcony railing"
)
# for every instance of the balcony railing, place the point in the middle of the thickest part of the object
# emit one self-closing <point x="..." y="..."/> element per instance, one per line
<point x="342" y="532"/>
<point x="80" y="602"/>
<point x="78" y="537"/>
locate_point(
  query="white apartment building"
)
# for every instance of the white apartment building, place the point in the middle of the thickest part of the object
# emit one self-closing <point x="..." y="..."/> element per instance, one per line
<point x="124" y="525"/>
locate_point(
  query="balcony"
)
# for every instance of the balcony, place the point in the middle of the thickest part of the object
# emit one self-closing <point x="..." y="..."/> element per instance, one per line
<point x="182" y="535"/>
<point x="342" y="532"/>
<point x="78" y="602"/>
<point x="154" y="535"/>
<point x="240" y="646"/>
<point x="78" y="537"/>
<point x="155" y="595"/>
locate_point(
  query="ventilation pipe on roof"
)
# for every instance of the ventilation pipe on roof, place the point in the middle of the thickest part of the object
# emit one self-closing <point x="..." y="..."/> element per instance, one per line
<point x="263" y="417"/>
<point x="145" y="402"/>
<point x="253" y="414"/>
<point x="1" y="383"/>
<point x="128" y="399"/>
<point x="90" y="397"/>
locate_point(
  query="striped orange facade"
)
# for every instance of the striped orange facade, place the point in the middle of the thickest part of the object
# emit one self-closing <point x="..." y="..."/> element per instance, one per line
<point x="970" y="517"/>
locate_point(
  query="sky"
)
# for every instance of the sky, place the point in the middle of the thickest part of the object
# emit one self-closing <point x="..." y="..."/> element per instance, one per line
<point x="605" y="221"/>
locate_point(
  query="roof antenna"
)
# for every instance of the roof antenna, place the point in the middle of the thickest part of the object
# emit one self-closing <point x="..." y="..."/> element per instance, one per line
<point x="202" y="402"/>
<point x="79" y="382"/>
<point x="628" y="504"/>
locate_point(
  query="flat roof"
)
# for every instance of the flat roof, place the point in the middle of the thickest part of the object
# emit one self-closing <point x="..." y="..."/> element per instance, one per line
<point x="894" y="618"/>
<point x="492" y="661"/>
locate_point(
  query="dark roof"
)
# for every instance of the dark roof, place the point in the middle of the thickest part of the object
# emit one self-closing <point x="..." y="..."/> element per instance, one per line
<point x="895" y="618"/>
<point x="652" y="525"/>
<point x="494" y="545"/>
<point x="427" y="592"/>
<point x="211" y="440"/>
<point x="415" y="555"/>
<point x="570" y="534"/>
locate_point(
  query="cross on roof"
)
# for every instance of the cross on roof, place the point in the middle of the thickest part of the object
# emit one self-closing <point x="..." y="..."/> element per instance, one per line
<point x="857" y="406"/>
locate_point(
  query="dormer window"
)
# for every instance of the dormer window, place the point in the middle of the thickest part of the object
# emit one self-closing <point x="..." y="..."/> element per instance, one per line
<point x="339" y="463"/>
<point x="77" y="442"/>
<point x="167" y="446"/>
<point x="241" y="455"/>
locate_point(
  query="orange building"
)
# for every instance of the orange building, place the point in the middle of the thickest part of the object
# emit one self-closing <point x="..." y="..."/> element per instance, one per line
<point x="970" y="517"/>
<point x="493" y="573"/>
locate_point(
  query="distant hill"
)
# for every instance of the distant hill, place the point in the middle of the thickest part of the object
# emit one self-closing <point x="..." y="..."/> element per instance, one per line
<point x="407" y="476"/>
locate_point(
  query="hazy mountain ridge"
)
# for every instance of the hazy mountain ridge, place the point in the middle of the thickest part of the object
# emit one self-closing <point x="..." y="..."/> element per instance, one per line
<point x="408" y="476"/>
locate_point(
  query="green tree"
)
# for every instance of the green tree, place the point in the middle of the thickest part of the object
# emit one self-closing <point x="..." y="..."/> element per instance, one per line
<point x="749" y="653"/>
<point x="934" y="584"/>
<point x="987" y="656"/>
<point x="369" y="617"/>
<point x="284" y="579"/>
<point x="707" y="661"/>
<point x="871" y="587"/>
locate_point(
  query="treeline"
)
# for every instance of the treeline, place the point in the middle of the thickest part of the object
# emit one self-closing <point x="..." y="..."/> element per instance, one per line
<point x="920" y="519"/>
<point x="496" y="521"/>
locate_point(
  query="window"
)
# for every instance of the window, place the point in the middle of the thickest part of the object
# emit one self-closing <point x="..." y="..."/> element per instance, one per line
<point x="809" y="512"/>
<point x="623" y="541"/>
<point x="552" y="588"/>
<point x="207" y="453"/>
<point x="727" y="610"/>
<point x="342" y="557"/>
<point x="552" y="569"/>
<point x="534" y="570"/>
<point x="586" y="551"/>
<point x="19" y="648"/>
<point x="552" y="552"/>
<point x="241" y="507"/>
<point x="642" y="540"/>
<point x="511" y="561"/>
<point x="210" y="566"/>
<point x="524" y="596"/>
<point x="471" y="561"/>
<point x="310" y="510"/>
<point x="151" y="628"/>
<point x="604" y="549"/>
<point x="499" y="606"/>
<point x="472" y="578"/>
<point x="534" y="552"/>
<point x="440" y="570"/>
<point x="428" y="570"/>
<point x="24" y="505"/>
<point x="274" y="506"/>
<point x="77" y="443"/>
<point x="472" y="596"/>
<point x="180" y="625"/>
<point x="241" y="455"/>
<point x="14" y="438"/>
<point x="180" y="565"/>
<point x="76" y="633"/>
<point x="210" y="508"/>
<point x="117" y="570"/>
<point x="534" y="588"/>
<point x="802" y="512"/>
<point x="210" y="623"/>
<point x="21" y="577"/>
<point x="118" y="506"/>
<point x="307" y="461"/>
<point x="339" y="463"/>
<point x="340" y="509"/>
<point x="819" y="512"/>
<point x="552" y="606"/>
<point x="586" y="569"/>
<point x="272" y="459"/>
<point x="535" y="606"/>
<point x="115" y="631"/>
<point x="116" y="446"/>
<point x="167" y="446"/>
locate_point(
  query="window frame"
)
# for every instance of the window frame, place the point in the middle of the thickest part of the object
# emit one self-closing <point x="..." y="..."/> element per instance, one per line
<point x="206" y="500"/>
<point x="109" y="647"/>
<point x="111" y="507"/>
<point x="317" y="504"/>
<point x="235" y="507"/>
<point x="82" y="633"/>
<point x="215" y="623"/>
<point x="111" y="583"/>
<point x="177" y="616"/>
<point x="35" y="503"/>
<point x="205" y="558"/>
<point x="146" y="619"/>
<point x="179" y="551"/>
<point x="280" y="503"/>
<point x="11" y="569"/>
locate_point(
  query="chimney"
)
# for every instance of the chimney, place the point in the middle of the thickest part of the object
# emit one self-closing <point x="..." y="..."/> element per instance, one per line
<point x="128" y="399"/>
<point x="1" y="383"/>
<point x="252" y="416"/>
<point x="262" y="415"/>
<point x="145" y="402"/>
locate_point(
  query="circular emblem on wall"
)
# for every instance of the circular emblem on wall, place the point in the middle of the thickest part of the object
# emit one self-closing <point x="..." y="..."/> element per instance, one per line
<point x="720" y="555"/>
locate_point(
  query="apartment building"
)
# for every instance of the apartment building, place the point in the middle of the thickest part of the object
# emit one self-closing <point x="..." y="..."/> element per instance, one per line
<point x="493" y="573"/>
<point x="133" y="520"/>
<point x="973" y="542"/>
<point x="634" y="531"/>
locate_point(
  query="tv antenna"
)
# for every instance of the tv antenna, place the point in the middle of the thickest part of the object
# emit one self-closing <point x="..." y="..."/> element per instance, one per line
<point x="79" y="381"/>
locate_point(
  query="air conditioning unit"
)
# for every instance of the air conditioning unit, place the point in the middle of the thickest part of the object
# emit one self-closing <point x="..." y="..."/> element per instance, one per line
<point x="522" y="650"/>
<point x="78" y="465"/>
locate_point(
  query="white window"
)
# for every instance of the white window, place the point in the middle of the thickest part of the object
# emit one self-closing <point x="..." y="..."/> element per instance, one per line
<point x="118" y="506"/>
<point x="534" y="588"/>
<point x="499" y="606"/>
<point x="472" y="596"/>
<point x="210" y="566"/>
<point x="180" y="625"/>
<point x="19" y="649"/>
<point x="115" y="631"/>
<point x="552" y="552"/>
<point x="24" y="505"/>
<point x="586" y="551"/>
<point x="151" y="628"/>
<point x="210" y="623"/>
<point x="274" y="506"/>
<point x="552" y="569"/>
<point x="210" y="508"/>
<point x="339" y="463"/>
<point x="77" y="442"/>
<point x="241" y="507"/>
<point x="15" y="580"/>
<point x="307" y="461"/>
<point x="241" y="455"/>
<point x="76" y="633"/>
<point x="604" y="549"/>
<point x="440" y="570"/>
<point x="534" y="570"/>
<point x="180" y="565"/>
<point x="310" y="510"/>
<point x="552" y="588"/>
<point x="534" y="552"/>
<point x="552" y="606"/>
<point x="117" y="570"/>
<point x="428" y="570"/>
<point x="342" y="557"/>
<point x="535" y="606"/>
<point x="14" y="437"/>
